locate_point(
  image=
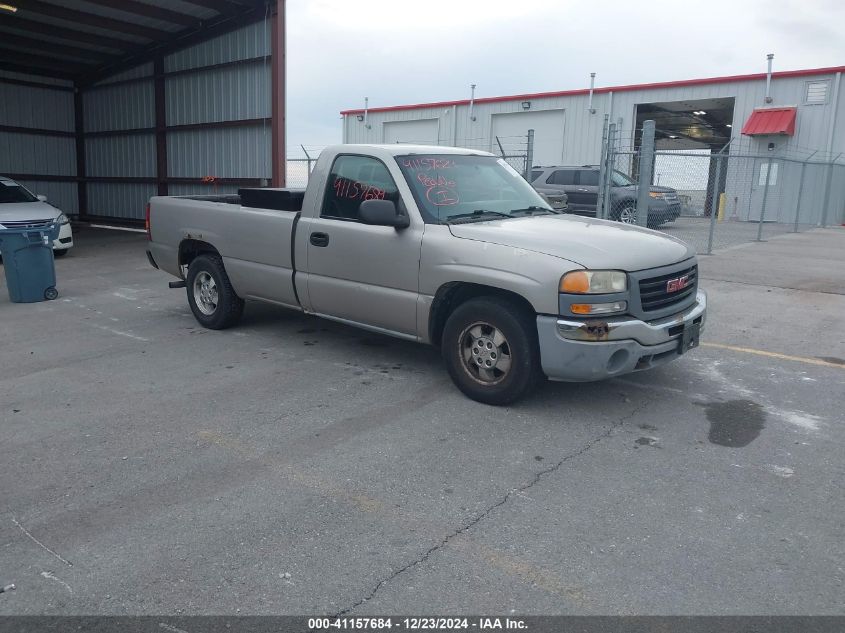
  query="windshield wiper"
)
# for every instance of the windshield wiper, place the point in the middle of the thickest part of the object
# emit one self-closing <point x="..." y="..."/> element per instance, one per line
<point x="478" y="214"/>
<point x="534" y="209"/>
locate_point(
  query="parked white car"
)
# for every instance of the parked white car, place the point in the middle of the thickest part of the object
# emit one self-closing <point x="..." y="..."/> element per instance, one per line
<point x="19" y="207"/>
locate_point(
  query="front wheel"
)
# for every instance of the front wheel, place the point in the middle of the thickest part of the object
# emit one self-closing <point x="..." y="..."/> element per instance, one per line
<point x="210" y="294"/>
<point x="491" y="350"/>
<point x="627" y="215"/>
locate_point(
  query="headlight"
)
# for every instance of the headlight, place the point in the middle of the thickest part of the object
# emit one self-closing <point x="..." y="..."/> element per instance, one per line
<point x="62" y="219"/>
<point x="657" y="194"/>
<point x="588" y="282"/>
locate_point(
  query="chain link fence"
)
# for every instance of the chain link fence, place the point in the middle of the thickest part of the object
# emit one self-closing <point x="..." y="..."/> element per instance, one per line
<point x="516" y="150"/>
<point x="711" y="199"/>
<point x="715" y="199"/>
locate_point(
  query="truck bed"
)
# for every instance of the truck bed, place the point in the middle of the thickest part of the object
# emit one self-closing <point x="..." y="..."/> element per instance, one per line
<point x="253" y="231"/>
<point x="258" y="198"/>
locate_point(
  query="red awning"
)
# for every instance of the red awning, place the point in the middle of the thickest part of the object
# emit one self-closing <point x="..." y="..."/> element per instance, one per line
<point x="771" y="121"/>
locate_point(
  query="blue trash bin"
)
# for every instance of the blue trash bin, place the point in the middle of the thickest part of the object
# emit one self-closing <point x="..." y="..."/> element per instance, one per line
<point x="28" y="263"/>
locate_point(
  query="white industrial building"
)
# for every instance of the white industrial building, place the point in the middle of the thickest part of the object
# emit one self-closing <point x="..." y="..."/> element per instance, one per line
<point x="783" y="117"/>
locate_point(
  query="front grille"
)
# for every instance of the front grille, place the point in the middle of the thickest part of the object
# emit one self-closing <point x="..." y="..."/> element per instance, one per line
<point x="26" y="224"/>
<point x="655" y="296"/>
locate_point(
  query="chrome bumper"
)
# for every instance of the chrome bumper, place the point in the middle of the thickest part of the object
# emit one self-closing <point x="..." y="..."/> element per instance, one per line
<point x="645" y="332"/>
<point x="580" y="351"/>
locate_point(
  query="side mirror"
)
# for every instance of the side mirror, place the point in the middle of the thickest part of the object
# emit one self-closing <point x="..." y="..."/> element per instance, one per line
<point x="382" y="213"/>
<point x="41" y="198"/>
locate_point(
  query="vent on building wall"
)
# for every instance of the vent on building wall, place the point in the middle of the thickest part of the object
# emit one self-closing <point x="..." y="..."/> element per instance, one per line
<point x="816" y="92"/>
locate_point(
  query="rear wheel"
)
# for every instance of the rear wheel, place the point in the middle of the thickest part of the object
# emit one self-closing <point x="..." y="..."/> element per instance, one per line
<point x="210" y="294"/>
<point x="491" y="350"/>
<point x="60" y="252"/>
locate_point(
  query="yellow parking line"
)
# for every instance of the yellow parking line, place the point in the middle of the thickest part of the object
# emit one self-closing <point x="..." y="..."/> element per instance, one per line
<point x="760" y="352"/>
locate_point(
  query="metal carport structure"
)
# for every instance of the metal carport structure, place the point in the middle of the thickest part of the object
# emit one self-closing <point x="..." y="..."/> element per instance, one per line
<point x="104" y="103"/>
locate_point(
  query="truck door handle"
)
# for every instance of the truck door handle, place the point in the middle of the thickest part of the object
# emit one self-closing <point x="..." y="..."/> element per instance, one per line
<point x="320" y="239"/>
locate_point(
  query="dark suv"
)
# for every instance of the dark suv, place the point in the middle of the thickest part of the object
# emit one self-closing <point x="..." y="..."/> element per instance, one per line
<point x="581" y="185"/>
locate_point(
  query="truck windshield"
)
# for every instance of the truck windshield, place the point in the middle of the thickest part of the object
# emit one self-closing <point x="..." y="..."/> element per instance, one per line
<point x="452" y="188"/>
<point x="13" y="192"/>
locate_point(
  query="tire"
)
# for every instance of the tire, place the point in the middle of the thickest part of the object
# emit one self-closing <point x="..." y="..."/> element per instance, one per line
<point x="60" y="253"/>
<point x="51" y="294"/>
<point x="210" y="294"/>
<point x="627" y="214"/>
<point x="486" y="331"/>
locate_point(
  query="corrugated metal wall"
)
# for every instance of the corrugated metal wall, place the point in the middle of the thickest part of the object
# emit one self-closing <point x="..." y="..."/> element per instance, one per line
<point x="219" y="94"/>
<point x="245" y="43"/>
<point x="118" y="104"/>
<point x="238" y="92"/>
<point x="216" y="118"/>
<point x="47" y="107"/>
<point x="120" y="120"/>
<point x="242" y="152"/>
<point x="582" y="131"/>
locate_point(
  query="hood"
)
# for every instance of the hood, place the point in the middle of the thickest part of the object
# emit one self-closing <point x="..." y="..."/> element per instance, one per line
<point x="591" y="243"/>
<point x="22" y="211"/>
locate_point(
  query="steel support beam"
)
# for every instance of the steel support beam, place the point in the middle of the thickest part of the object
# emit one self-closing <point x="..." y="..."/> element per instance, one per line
<point x="60" y="49"/>
<point x="48" y="64"/>
<point x="66" y="33"/>
<point x="161" y="126"/>
<point x="91" y="19"/>
<point x="79" y="124"/>
<point x="148" y="11"/>
<point x="278" y="140"/>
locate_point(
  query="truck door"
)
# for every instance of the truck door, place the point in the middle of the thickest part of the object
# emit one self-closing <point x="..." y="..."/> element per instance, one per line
<point x="362" y="273"/>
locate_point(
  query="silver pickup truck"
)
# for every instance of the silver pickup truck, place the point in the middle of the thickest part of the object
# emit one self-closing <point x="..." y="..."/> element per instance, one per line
<point x="445" y="246"/>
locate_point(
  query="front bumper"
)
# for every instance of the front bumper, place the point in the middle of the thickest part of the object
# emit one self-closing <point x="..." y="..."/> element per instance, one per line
<point x="594" y="349"/>
<point x="65" y="239"/>
<point x="664" y="210"/>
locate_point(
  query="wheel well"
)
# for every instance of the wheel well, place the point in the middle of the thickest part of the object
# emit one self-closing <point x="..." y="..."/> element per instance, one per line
<point x="190" y="249"/>
<point x="450" y="295"/>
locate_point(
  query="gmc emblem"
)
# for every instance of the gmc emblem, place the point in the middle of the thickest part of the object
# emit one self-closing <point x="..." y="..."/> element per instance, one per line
<point x="674" y="285"/>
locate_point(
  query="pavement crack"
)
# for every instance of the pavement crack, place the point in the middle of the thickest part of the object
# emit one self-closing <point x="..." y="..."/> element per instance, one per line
<point x="39" y="543"/>
<point x="537" y="477"/>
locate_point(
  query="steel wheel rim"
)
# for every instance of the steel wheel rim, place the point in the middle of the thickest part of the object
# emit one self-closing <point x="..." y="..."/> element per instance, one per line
<point x="205" y="293"/>
<point x="485" y="353"/>
<point x="628" y="215"/>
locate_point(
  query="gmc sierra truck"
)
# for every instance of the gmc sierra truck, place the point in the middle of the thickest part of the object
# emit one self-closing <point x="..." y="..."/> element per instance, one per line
<point x="445" y="246"/>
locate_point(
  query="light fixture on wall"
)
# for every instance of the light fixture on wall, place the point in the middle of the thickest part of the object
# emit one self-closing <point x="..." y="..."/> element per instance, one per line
<point x="9" y="8"/>
<point x="771" y="147"/>
<point x="360" y="117"/>
<point x="526" y="105"/>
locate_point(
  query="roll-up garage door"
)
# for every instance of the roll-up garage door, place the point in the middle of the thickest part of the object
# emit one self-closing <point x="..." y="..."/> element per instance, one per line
<point x="420" y="132"/>
<point x="512" y="130"/>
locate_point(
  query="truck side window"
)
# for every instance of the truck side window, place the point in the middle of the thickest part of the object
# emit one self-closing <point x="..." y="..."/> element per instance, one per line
<point x="352" y="180"/>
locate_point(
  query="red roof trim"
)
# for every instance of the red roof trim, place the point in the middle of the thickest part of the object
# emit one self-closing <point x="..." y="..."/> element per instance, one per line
<point x="771" y="121"/>
<point x="582" y="91"/>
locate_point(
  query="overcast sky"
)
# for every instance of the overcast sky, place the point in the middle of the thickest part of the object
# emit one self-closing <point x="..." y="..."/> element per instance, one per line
<point x="398" y="52"/>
